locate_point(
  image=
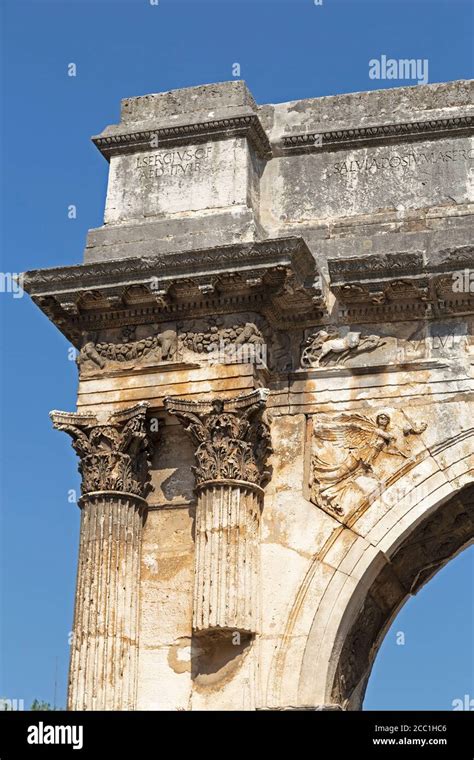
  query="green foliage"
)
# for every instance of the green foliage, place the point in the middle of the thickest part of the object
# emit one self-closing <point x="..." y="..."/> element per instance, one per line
<point x="39" y="705"/>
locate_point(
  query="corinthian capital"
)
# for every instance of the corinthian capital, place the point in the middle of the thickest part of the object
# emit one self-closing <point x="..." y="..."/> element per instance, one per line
<point x="232" y="436"/>
<point x="114" y="453"/>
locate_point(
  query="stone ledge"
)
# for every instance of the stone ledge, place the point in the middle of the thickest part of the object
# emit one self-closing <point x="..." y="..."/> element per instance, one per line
<point x="277" y="277"/>
<point x="376" y="134"/>
<point x="117" y="141"/>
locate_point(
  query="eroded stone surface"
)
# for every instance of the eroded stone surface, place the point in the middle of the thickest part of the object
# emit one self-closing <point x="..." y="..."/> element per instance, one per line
<point x="239" y="253"/>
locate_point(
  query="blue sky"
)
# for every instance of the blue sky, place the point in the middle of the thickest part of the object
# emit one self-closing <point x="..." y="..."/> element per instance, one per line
<point x="286" y="50"/>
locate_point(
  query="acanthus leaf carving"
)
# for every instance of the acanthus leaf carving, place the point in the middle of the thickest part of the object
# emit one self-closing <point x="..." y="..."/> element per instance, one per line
<point x="113" y="455"/>
<point x="232" y="436"/>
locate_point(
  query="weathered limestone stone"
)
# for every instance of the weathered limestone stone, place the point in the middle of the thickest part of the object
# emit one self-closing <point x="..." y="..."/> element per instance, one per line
<point x="114" y="464"/>
<point x="300" y="273"/>
<point x="233" y="442"/>
<point x="201" y="150"/>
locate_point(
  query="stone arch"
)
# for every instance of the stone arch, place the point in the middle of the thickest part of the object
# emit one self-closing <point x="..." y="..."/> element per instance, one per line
<point x="341" y="616"/>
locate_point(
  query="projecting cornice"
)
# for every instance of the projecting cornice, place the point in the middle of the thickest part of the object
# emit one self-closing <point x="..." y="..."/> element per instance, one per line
<point x="376" y="134"/>
<point x="246" y="125"/>
<point x="391" y="285"/>
<point x="275" y="277"/>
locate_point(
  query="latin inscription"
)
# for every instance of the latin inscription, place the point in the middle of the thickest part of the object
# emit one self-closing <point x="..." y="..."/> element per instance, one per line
<point x="173" y="163"/>
<point x="422" y="161"/>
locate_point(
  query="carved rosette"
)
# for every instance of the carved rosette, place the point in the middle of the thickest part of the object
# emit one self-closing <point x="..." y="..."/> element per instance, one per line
<point x="115" y="468"/>
<point x="232" y="440"/>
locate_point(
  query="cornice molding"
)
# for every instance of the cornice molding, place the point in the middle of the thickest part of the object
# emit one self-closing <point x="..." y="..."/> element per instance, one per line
<point x="412" y="283"/>
<point x="218" y="129"/>
<point x="277" y="276"/>
<point x="197" y="263"/>
<point x="310" y="142"/>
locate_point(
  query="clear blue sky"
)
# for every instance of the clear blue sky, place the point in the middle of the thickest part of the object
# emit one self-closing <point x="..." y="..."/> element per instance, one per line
<point x="287" y="49"/>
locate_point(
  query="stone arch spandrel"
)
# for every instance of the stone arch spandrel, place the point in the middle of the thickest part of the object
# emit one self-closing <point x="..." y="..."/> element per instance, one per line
<point x="426" y="549"/>
<point x="368" y="584"/>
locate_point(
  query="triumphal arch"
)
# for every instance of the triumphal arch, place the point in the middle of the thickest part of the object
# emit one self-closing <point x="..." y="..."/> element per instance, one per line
<point x="274" y="422"/>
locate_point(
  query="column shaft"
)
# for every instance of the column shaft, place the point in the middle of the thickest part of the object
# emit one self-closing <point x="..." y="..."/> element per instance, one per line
<point x="226" y="564"/>
<point x="103" y="670"/>
<point x="115" y="460"/>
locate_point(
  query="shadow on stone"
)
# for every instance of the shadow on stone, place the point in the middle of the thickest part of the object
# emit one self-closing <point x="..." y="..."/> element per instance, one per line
<point x="217" y="654"/>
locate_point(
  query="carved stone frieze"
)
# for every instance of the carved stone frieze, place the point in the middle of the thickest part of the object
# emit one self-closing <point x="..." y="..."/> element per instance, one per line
<point x="353" y="454"/>
<point x="323" y="347"/>
<point x="160" y="345"/>
<point x="219" y="343"/>
<point x="217" y="340"/>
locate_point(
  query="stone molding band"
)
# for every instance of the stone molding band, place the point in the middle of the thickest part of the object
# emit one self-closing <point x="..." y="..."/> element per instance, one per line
<point x="236" y="483"/>
<point x="132" y="497"/>
<point x="378" y="133"/>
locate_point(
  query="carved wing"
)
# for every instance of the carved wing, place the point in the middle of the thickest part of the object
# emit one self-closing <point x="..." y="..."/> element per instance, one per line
<point x="352" y="431"/>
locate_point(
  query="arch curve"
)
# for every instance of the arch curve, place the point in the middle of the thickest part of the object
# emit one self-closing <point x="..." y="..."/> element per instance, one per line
<point x="392" y="555"/>
<point x="424" y="551"/>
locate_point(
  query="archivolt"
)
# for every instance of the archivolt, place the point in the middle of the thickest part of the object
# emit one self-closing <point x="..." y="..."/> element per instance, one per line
<point x="340" y="627"/>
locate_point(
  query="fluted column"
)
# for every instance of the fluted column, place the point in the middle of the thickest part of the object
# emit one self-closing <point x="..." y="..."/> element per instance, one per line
<point x="233" y="442"/>
<point x="114" y="464"/>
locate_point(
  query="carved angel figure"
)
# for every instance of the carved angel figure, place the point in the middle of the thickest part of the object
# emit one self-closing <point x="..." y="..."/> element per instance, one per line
<point x="345" y="451"/>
